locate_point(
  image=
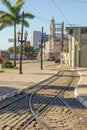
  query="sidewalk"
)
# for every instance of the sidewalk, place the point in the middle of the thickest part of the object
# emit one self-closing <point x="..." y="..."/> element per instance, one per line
<point x="81" y="90"/>
<point x="12" y="82"/>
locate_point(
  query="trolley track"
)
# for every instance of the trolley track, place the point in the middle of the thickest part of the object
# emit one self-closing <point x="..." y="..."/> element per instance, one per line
<point x="25" y="92"/>
<point x="66" y="110"/>
<point x="17" y="110"/>
<point x="43" y="107"/>
<point x="45" y="103"/>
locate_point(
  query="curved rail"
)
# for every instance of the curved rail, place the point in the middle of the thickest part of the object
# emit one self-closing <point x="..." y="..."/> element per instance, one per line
<point x="61" y="97"/>
<point x="35" y="116"/>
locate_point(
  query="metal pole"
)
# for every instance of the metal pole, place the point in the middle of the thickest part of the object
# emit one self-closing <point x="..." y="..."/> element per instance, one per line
<point x="62" y="34"/>
<point x="75" y="57"/>
<point x="20" y="69"/>
<point x="42" y="50"/>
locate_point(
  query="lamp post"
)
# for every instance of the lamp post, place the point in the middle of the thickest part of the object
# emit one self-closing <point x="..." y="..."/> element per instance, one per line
<point x="21" y="41"/>
<point x="41" y="48"/>
<point x="75" y="46"/>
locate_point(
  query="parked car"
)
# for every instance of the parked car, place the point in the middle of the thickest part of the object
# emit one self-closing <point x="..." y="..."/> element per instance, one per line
<point x="24" y="57"/>
<point x="2" y="57"/>
<point x="18" y="57"/>
<point x="32" y="57"/>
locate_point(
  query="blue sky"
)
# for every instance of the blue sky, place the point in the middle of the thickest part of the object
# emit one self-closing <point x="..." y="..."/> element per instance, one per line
<point x="70" y="11"/>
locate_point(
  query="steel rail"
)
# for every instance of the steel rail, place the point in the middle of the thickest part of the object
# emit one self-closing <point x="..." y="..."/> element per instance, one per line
<point x="44" y="124"/>
<point x="35" y="116"/>
<point x="71" y="108"/>
<point x="34" y="86"/>
<point x="38" y="86"/>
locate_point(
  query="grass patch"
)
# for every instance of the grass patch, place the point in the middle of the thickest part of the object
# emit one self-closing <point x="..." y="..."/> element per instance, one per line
<point x="1" y="71"/>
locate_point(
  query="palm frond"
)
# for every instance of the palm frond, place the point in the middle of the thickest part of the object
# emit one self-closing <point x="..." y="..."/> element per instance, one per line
<point x="19" y="2"/>
<point x="18" y="5"/>
<point x="7" y="4"/>
<point x="6" y="21"/>
<point x="2" y="12"/>
<point x="6" y="16"/>
<point x="25" y="23"/>
<point x="14" y="13"/>
<point x="28" y="15"/>
<point x="3" y="25"/>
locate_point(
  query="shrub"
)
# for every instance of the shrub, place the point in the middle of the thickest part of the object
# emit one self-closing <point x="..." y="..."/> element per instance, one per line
<point x="7" y="64"/>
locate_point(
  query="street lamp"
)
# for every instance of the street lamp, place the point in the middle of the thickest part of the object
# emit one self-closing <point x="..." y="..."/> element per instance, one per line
<point x="41" y="49"/>
<point x="75" y="44"/>
<point x="25" y="35"/>
<point x="21" y="41"/>
<point x="41" y="46"/>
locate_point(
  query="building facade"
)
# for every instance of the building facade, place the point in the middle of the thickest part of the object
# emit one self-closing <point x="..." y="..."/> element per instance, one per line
<point x="35" y="38"/>
<point x="77" y="46"/>
<point x="53" y="46"/>
<point x="52" y="42"/>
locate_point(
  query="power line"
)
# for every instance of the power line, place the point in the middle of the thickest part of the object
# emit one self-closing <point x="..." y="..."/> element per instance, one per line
<point x="60" y="11"/>
<point x="35" y="10"/>
<point x="78" y="1"/>
<point x="36" y="16"/>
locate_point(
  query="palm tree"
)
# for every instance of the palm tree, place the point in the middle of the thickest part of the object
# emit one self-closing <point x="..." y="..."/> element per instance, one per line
<point x="13" y="17"/>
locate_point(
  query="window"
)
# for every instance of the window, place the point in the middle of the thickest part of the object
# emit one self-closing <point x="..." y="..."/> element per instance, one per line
<point x="83" y="30"/>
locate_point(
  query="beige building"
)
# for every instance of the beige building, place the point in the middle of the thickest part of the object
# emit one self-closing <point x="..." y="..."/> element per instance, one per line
<point x="77" y="46"/>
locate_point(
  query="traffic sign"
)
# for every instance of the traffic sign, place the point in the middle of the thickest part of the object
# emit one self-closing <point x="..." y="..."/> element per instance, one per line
<point x="10" y="40"/>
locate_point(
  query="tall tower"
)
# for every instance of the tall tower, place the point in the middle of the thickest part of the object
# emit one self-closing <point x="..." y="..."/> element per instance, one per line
<point x="52" y="38"/>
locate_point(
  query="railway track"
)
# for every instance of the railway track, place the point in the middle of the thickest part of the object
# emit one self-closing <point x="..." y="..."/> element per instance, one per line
<point x="68" y="111"/>
<point x="25" y="92"/>
<point x="15" y="113"/>
<point x="15" y="109"/>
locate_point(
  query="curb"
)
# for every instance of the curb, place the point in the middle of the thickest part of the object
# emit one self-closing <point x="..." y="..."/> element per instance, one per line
<point x="76" y="94"/>
<point x="13" y="93"/>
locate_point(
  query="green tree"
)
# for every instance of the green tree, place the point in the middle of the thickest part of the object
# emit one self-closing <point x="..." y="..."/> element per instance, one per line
<point x="28" y="50"/>
<point x="13" y="17"/>
<point x="11" y="50"/>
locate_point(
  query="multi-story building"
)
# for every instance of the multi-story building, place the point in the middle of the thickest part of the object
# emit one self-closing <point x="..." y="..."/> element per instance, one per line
<point x="77" y="46"/>
<point x="35" y="38"/>
<point x="52" y="42"/>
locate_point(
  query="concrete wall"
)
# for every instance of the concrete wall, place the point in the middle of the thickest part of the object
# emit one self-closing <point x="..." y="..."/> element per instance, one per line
<point x="77" y="47"/>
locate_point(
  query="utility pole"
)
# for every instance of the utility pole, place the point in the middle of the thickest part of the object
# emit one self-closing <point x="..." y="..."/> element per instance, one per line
<point x="21" y="44"/>
<point x="62" y="34"/>
<point x="21" y="41"/>
<point x="59" y="30"/>
<point x="41" y="49"/>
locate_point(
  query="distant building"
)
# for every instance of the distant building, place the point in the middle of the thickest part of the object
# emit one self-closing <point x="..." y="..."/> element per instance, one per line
<point x="53" y="46"/>
<point x="77" y="46"/>
<point x="35" y="38"/>
<point x="53" y="42"/>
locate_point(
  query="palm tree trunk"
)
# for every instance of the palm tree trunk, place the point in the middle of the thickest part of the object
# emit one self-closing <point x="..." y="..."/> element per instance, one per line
<point x="14" y="43"/>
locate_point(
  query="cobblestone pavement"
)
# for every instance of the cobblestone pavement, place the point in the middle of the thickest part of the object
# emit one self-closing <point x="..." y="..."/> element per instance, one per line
<point x="63" y="119"/>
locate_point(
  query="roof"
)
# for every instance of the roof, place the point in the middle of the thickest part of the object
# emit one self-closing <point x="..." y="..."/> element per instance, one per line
<point x="73" y="27"/>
